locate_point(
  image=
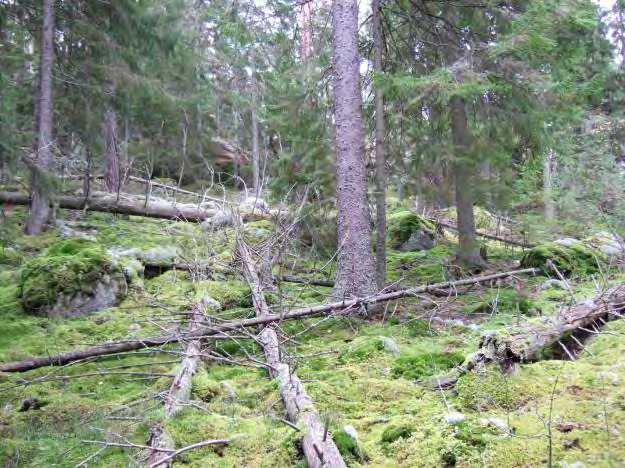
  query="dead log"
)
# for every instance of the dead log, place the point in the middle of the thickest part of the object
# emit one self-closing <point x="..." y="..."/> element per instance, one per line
<point x="561" y="334"/>
<point x="317" y="444"/>
<point x="503" y="240"/>
<point x="181" y="212"/>
<point x="345" y="307"/>
<point x="178" y="395"/>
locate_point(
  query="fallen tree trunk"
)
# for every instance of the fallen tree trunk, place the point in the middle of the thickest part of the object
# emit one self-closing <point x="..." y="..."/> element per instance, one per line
<point x="178" y="395"/>
<point x="346" y="307"/>
<point x="111" y="204"/>
<point x="562" y="334"/>
<point x="318" y="447"/>
<point x="503" y="240"/>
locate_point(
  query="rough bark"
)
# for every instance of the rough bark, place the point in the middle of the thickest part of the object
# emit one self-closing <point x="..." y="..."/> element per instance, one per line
<point x="528" y="343"/>
<point x="346" y="307"/>
<point x="180" y="389"/>
<point x="40" y="203"/>
<point x="306" y="27"/>
<point x="318" y="447"/>
<point x="380" y="147"/>
<point x="356" y="270"/>
<point x="111" y="146"/>
<point x="468" y="254"/>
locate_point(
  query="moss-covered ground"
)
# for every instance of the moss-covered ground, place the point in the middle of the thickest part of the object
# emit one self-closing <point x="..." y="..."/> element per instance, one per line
<point x="361" y="372"/>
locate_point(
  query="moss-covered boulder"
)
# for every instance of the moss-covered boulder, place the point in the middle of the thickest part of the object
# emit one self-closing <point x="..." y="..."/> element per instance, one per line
<point x="611" y="245"/>
<point x="409" y="232"/>
<point x="576" y="259"/>
<point x="73" y="277"/>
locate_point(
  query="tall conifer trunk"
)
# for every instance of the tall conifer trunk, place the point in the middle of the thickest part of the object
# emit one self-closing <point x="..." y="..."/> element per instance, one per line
<point x="468" y="254"/>
<point x="380" y="148"/>
<point x="40" y="204"/>
<point x="111" y="151"/>
<point x="356" y="273"/>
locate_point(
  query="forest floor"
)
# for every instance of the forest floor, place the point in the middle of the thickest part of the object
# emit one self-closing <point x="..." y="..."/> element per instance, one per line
<point x="361" y="372"/>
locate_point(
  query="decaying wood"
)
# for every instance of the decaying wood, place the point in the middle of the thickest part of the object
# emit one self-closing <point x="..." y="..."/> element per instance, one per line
<point x="180" y="390"/>
<point x="528" y="342"/>
<point x="317" y="444"/>
<point x="340" y="308"/>
<point x="111" y="204"/>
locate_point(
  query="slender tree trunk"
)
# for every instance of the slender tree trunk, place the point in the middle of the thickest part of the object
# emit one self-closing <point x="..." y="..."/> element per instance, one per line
<point x="468" y="254"/>
<point x="255" y="153"/>
<point x="40" y="204"/>
<point x="356" y="273"/>
<point x="550" y="209"/>
<point x="306" y="26"/>
<point x="111" y="151"/>
<point x="380" y="148"/>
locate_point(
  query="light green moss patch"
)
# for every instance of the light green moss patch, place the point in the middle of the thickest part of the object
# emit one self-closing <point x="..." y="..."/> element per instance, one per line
<point x="577" y="259"/>
<point x="401" y="225"/>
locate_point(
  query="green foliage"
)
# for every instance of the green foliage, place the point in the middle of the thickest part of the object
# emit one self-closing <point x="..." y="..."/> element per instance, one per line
<point x="67" y="267"/>
<point x="349" y="447"/>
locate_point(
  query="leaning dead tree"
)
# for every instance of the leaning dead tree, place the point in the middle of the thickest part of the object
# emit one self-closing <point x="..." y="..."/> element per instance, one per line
<point x="178" y="395"/>
<point x="317" y="444"/>
<point x="561" y="334"/>
<point x="339" y="308"/>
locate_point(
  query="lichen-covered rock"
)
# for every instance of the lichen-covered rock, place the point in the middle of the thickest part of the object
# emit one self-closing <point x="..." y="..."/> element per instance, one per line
<point x="74" y="277"/>
<point x="609" y="244"/>
<point x="567" y="241"/>
<point x="407" y="231"/>
<point x="578" y="259"/>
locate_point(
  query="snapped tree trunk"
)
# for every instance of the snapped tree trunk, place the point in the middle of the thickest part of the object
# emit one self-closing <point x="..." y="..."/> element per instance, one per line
<point x="40" y="201"/>
<point x="468" y="254"/>
<point x="380" y="148"/>
<point x="356" y="271"/>
<point x="317" y="444"/>
<point x="180" y="390"/>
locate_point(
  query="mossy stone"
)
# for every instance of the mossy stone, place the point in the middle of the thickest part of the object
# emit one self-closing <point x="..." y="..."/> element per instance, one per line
<point x="577" y="259"/>
<point x="403" y="224"/>
<point x="69" y="275"/>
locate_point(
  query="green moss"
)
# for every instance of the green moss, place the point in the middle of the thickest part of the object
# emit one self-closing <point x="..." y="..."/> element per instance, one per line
<point x="577" y="259"/>
<point x="366" y="347"/>
<point x="349" y="447"/>
<point x="505" y="301"/>
<point x="228" y="293"/>
<point x="488" y="390"/>
<point x="426" y="364"/>
<point x="10" y="256"/>
<point x="395" y="432"/>
<point x="205" y="388"/>
<point x="67" y="267"/>
<point x="403" y="224"/>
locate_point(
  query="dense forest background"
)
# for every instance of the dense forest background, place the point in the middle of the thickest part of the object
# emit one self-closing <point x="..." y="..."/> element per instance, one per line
<point x="408" y="214"/>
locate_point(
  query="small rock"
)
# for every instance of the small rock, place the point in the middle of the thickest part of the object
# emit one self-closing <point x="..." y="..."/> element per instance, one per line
<point x="613" y="377"/>
<point x="134" y="327"/>
<point x="211" y="304"/>
<point x="454" y="418"/>
<point x="576" y="464"/>
<point x="567" y="241"/>
<point x="255" y="203"/>
<point x="495" y="422"/>
<point x="555" y="284"/>
<point x="418" y="241"/>
<point x="390" y="345"/>
<point x="351" y="431"/>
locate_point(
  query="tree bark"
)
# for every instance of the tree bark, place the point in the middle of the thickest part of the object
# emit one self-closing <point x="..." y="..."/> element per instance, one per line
<point x="318" y="447"/>
<point x="550" y="208"/>
<point x="356" y="270"/>
<point x="468" y="254"/>
<point x="306" y="27"/>
<point x="380" y="148"/>
<point x="40" y="203"/>
<point x="347" y="307"/>
<point x="111" y="149"/>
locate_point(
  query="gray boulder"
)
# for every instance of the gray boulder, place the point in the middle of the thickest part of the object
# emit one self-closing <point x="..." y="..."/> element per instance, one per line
<point x="419" y="240"/>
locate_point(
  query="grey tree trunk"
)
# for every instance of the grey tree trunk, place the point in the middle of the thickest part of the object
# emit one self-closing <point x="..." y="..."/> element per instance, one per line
<point x="468" y="254"/>
<point x="356" y="273"/>
<point x="255" y="135"/>
<point x="40" y="201"/>
<point x="550" y="208"/>
<point x="306" y="26"/>
<point x="111" y="150"/>
<point x="380" y="148"/>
